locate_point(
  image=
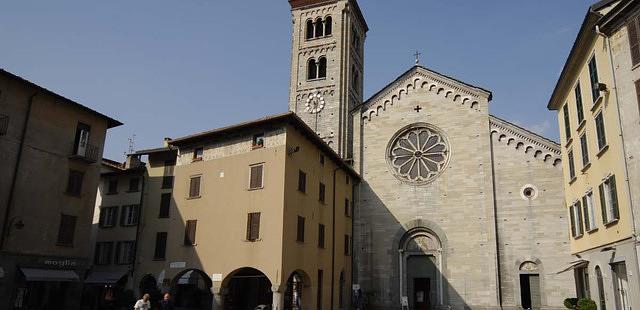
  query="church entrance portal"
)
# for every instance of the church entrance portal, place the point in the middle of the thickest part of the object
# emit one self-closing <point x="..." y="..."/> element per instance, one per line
<point x="420" y="264"/>
<point x="421" y="293"/>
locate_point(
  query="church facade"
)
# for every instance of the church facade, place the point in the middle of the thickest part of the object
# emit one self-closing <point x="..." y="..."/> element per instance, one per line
<point x="456" y="208"/>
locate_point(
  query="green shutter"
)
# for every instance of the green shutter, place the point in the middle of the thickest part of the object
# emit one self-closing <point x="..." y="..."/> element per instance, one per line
<point x="614" y="197"/>
<point x="603" y="204"/>
<point x="585" y="211"/>
<point x="573" y="222"/>
<point x="578" y="211"/>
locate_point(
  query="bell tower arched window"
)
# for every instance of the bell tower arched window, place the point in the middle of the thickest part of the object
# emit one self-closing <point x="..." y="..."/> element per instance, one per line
<point x="322" y="67"/>
<point x="310" y="29"/>
<point x="328" y="26"/>
<point x="319" y="28"/>
<point x="312" y="69"/>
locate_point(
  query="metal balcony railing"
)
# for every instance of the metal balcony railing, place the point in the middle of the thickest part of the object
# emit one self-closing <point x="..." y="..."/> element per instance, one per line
<point x="4" y="124"/>
<point x="87" y="152"/>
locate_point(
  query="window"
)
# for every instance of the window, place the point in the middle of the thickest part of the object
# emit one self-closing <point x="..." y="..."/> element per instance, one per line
<point x="341" y="293"/>
<point x="609" y="200"/>
<point x="74" y="185"/>
<point x="197" y="153"/>
<point x="321" y="160"/>
<point x="356" y="39"/>
<point x="310" y="31"/>
<point x="300" y="231"/>
<point x="572" y="167"/>
<point x="576" y="220"/>
<point x="346" y="177"/>
<point x="355" y="78"/>
<point x="567" y="125"/>
<point x="319" y="28"/>
<point x="582" y="282"/>
<point x="194" y="187"/>
<point x="322" y="67"/>
<point x="602" y="137"/>
<point x="257" y="141"/>
<point x="321" y="236"/>
<point x="112" y="187"/>
<point x="165" y="205"/>
<point x="587" y="210"/>
<point x="593" y="76"/>
<point x="302" y="181"/>
<point x="347" y="208"/>
<point x="167" y="178"/>
<point x="256" y="178"/>
<point x="585" y="150"/>
<point x="579" y="108"/>
<point x="190" y="232"/>
<point x="161" y="246"/>
<point x="312" y="69"/>
<point x="108" y="217"/>
<point x="633" y="29"/>
<point x="129" y="216"/>
<point x="319" y="289"/>
<point x="102" y="255"/>
<point x="328" y="26"/>
<point x="347" y="245"/>
<point x="321" y="192"/>
<point x="66" y="230"/>
<point x="134" y="184"/>
<point x="81" y="143"/>
<point x="124" y="252"/>
<point x="637" y="83"/>
<point x="253" y="226"/>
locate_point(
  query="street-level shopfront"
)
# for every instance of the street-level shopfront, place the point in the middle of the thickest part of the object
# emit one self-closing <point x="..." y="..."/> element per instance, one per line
<point x="40" y="282"/>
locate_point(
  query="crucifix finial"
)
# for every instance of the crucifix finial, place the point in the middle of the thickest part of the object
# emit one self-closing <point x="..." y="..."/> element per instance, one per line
<point x="417" y="54"/>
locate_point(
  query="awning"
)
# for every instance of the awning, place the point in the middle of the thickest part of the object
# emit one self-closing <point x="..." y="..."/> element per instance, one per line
<point x="573" y="265"/>
<point x="105" y="277"/>
<point x="49" y="275"/>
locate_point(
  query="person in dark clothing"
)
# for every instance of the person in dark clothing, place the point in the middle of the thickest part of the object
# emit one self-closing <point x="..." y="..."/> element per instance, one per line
<point x="166" y="303"/>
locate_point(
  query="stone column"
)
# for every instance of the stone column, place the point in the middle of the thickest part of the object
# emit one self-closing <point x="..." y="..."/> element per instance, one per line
<point x="218" y="297"/>
<point x="278" y="301"/>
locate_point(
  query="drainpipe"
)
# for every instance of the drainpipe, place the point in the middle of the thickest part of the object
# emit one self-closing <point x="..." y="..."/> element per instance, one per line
<point x="14" y="179"/>
<point x="135" y="245"/>
<point x="495" y="221"/>
<point x="333" y="235"/>
<point x="624" y="150"/>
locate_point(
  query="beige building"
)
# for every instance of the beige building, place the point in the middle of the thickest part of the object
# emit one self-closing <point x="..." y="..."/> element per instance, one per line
<point x="114" y="234"/>
<point x="260" y="214"/>
<point x="597" y="106"/>
<point x="50" y="153"/>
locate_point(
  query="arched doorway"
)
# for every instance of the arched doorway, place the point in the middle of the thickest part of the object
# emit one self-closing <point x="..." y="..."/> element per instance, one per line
<point x="601" y="299"/>
<point x="149" y="285"/>
<point x="297" y="290"/>
<point x="420" y="253"/>
<point x="246" y="289"/>
<point x="530" y="290"/>
<point x="192" y="290"/>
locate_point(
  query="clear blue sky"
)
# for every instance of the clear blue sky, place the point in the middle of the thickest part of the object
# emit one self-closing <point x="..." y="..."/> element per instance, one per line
<point x="172" y="68"/>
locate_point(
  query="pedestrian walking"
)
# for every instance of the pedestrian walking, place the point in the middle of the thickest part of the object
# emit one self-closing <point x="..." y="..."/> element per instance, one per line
<point x="143" y="304"/>
<point x="166" y="303"/>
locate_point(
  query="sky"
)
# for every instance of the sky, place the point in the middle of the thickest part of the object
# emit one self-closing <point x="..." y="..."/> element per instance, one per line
<point x="172" y="68"/>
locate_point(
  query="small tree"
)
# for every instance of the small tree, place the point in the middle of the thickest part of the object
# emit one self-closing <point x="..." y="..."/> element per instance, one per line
<point x="571" y="303"/>
<point x="587" y="304"/>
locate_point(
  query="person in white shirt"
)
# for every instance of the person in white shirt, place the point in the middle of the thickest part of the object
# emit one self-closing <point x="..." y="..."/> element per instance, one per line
<point x="143" y="304"/>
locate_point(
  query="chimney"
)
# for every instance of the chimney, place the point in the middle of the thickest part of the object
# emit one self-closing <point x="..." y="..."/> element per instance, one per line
<point x="133" y="161"/>
<point x="166" y="142"/>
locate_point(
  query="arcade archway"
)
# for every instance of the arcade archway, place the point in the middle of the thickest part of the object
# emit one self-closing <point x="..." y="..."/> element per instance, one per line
<point x="247" y="289"/>
<point x="192" y="290"/>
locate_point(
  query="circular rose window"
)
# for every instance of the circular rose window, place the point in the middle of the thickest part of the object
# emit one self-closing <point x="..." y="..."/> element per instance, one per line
<point x="418" y="153"/>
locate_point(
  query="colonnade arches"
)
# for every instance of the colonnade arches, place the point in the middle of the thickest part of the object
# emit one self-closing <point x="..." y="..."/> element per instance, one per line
<point x="191" y="289"/>
<point x="247" y="288"/>
<point x="298" y="294"/>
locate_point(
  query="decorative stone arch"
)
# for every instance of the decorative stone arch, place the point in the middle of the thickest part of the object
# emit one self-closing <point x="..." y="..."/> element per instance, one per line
<point x="528" y="265"/>
<point x="298" y="290"/>
<point x="419" y="228"/>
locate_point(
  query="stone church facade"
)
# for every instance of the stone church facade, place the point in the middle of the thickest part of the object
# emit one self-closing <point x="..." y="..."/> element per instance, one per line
<point x="457" y="208"/>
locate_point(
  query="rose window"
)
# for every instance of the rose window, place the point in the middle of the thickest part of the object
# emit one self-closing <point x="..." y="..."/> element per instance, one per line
<point x="418" y="153"/>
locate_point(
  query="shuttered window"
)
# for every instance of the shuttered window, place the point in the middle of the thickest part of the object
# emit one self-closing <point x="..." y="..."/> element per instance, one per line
<point x="300" y="231"/>
<point x="253" y="226"/>
<point x="593" y="77"/>
<point x="579" y="108"/>
<point x="74" y="184"/>
<point x="321" y="192"/>
<point x="302" y="181"/>
<point x="577" y="214"/>
<point x="124" y="252"/>
<point x="633" y="28"/>
<point x="165" y="205"/>
<point x="130" y="215"/>
<point x="567" y="125"/>
<point x="194" y="187"/>
<point x="347" y="245"/>
<point x="602" y="137"/>
<point x="190" y="232"/>
<point x="160" y="250"/>
<point x="573" y="221"/>
<point x="66" y="230"/>
<point x="108" y="217"/>
<point x="134" y="184"/>
<point x="319" y="289"/>
<point x="102" y="255"/>
<point x="321" y="236"/>
<point x="609" y="200"/>
<point x="585" y="150"/>
<point x="572" y="167"/>
<point x="347" y="208"/>
<point x="255" y="181"/>
<point x="638" y="94"/>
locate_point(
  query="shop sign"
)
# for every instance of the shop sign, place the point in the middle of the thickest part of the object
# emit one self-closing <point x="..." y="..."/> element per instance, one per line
<point x="175" y="265"/>
<point x="60" y="263"/>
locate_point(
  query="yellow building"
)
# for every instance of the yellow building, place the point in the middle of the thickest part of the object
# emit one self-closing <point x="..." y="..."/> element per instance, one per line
<point x="260" y="214"/>
<point x="50" y="153"/>
<point x="597" y="192"/>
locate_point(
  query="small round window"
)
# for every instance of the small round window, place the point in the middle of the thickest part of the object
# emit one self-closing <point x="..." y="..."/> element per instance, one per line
<point x="529" y="192"/>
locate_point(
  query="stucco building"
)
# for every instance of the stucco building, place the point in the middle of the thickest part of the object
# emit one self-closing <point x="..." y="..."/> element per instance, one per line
<point x="50" y="153"/>
<point x="596" y="99"/>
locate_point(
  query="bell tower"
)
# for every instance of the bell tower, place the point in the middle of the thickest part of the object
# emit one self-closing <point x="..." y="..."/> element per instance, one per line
<point x="327" y="67"/>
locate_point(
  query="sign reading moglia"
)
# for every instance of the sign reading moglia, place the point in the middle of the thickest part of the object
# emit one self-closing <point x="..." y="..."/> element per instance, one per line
<point x="60" y="263"/>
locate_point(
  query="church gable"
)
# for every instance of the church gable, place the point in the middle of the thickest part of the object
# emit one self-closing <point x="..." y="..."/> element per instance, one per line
<point x="418" y="78"/>
<point x="522" y="140"/>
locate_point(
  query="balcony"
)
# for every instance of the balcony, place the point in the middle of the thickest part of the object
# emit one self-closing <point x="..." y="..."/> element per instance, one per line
<point x="85" y="152"/>
<point x="4" y="124"/>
